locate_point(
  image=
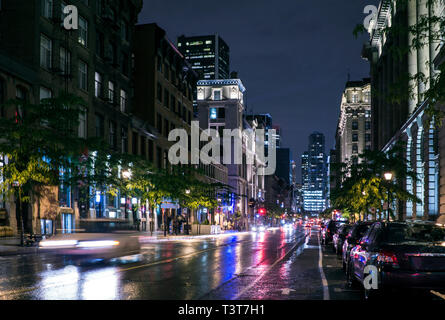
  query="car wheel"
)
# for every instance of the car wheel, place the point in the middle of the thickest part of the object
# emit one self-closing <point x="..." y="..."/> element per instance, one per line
<point x="351" y="282"/>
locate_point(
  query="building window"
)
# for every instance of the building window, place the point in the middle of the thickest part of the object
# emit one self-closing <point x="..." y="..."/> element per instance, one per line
<point x="159" y="123"/>
<point x="124" y="139"/>
<point x="123" y="103"/>
<point x="217" y="95"/>
<point x="368" y="137"/>
<point x="354" y="137"/>
<point x="143" y="147"/>
<point x="83" y="125"/>
<point x="354" y="125"/>
<point x="65" y="61"/>
<point x="124" y="30"/>
<point x="83" y="75"/>
<point x="100" y="126"/>
<point x="135" y="143"/>
<point x="100" y="44"/>
<point x="45" y="52"/>
<point x="166" y="126"/>
<point x="368" y="125"/>
<point x="355" y="97"/>
<point x="172" y="103"/>
<point x="354" y="148"/>
<point x="47" y="8"/>
<point x="45" y="93"/>
<point x="166" y="98"/>
<point x="97" y="84"/>
<point x="83" y="31"/>
<point x="111" y="91"/>
<point x="159" y="157"/>
<point x="112" y="135"/>
<point x="125" y="64"/>
<point x="159" y="92"/>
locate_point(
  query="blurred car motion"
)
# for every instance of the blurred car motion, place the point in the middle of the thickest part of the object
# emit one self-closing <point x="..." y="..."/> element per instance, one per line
<point x="99" y="239"/>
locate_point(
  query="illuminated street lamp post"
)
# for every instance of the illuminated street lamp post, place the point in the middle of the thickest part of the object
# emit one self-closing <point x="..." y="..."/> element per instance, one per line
<point x="126" y="174"/>
<point x="187" y="217"/>
<point x="388" y="177"/>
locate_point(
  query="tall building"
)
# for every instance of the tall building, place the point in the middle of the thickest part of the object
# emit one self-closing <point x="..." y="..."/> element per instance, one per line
<point x="40" y="59"/>
<point x="284" y="166"/>
<point x="314" y="174"/>
<point x="164" y="86"/>
<point x="221" y="106"/>
<point x="405" y="119"/>
<point x="208" y="55"/>
<point x="354" y="132"/>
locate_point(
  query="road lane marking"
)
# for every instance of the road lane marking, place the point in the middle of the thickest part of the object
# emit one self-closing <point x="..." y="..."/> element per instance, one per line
<point x="324" y="281"/>
<point x="265" y="272"/>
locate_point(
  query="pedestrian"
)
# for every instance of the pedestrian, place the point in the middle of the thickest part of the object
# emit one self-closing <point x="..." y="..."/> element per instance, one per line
<point x="225" y="224"/>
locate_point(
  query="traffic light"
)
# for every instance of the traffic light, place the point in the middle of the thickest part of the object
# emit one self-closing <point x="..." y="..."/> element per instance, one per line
<point x="262" y="211"/>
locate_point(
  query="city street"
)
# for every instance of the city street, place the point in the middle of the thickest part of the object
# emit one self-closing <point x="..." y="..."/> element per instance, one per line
<point x="277" y="264"/>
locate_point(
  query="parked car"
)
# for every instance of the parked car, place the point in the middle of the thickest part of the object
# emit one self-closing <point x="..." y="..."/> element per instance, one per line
<point x="408" y="255"/>
<point x="339" y="237"/>
<point x="329" y="230"/>
<point x="356" y="232"/>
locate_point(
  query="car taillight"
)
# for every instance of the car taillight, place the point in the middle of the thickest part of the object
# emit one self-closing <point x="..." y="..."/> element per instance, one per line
<point x="389" y="258"/>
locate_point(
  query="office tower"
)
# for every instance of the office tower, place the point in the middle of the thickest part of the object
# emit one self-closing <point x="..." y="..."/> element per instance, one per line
<point x="208" y="55"/>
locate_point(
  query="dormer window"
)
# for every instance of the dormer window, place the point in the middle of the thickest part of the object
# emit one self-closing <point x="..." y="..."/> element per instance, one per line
<point x="217" y="95"/>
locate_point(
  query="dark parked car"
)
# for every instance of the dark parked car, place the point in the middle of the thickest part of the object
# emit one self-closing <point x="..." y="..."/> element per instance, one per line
<point x="339" y="237"/>
<point x="329" y="230"/>
<point x="408" y="255"/>
<point x="356" y="232"/>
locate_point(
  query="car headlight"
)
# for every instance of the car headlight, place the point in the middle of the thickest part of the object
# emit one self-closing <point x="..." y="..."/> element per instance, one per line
<point x="57" y="243"/>
<point x="253" y="228"/>
<point x="262" y="228"/>
<point x="97" y="244"/>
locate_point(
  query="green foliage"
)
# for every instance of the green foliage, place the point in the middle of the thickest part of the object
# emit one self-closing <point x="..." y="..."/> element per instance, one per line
<point x="362" y="186"/>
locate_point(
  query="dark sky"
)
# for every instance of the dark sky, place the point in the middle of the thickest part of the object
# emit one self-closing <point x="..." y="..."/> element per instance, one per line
<point x="293" y="56"/>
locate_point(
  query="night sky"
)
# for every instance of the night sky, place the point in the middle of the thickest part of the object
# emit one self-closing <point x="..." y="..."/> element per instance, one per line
<point x="293" y="56"/>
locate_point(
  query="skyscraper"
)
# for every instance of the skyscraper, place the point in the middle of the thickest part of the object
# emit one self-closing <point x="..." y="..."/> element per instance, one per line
<point x="314" y="174"/>
<point x="208" y="55"/>
<point x="354" y="134"/>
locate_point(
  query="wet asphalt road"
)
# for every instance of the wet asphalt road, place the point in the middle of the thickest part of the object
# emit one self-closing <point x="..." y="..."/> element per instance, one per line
<point x="278" y="264"/>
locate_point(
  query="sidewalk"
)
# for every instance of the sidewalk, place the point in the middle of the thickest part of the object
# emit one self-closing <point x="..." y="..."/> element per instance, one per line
<point x="11" y="246"/>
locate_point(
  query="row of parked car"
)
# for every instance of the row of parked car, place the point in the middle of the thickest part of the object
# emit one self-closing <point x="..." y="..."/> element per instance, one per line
<point x="404" y="255"/>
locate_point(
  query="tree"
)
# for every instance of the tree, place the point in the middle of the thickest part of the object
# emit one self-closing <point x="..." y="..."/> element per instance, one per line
<point x="362" y="186"/>
<point x="37" y="141"/>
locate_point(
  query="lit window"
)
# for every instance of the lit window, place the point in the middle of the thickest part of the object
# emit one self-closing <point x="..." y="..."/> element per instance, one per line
<point x="97" y="84"/>
<point x="45" y="93"/>
<point x="45" y="52"/>
<point x="83" y="32"/>
<point x="213" y="113"/>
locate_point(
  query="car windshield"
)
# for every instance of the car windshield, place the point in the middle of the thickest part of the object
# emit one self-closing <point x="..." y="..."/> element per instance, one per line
<point x="414" y="233"/>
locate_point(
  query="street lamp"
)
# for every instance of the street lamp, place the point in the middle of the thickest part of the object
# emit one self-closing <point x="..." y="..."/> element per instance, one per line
<point x="388" y="177"/>
<point x="187" y="215"/>
<point x="126" y="174"/>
